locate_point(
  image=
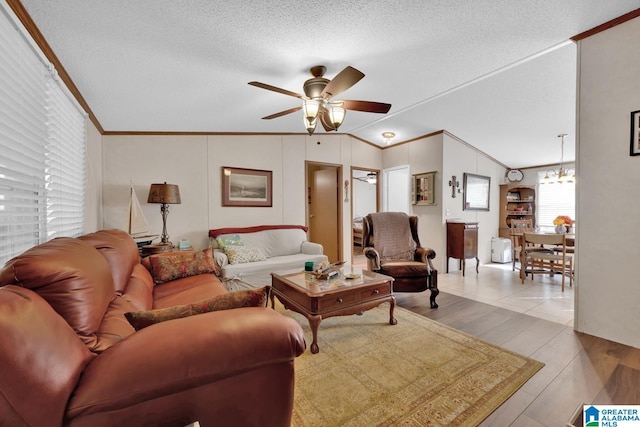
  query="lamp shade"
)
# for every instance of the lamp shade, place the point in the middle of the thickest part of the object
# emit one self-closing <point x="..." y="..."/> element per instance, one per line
<point x="310" y="107"/>
<point x="310" y="124"/>
<point x="336" y="115"/>
<point x="164" y="193"/>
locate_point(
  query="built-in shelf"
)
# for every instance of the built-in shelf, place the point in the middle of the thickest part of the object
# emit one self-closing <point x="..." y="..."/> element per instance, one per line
<point x="512" y="197"/>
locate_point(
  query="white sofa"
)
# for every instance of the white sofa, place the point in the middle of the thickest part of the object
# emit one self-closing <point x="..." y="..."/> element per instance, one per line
<point x="285" y="247"/>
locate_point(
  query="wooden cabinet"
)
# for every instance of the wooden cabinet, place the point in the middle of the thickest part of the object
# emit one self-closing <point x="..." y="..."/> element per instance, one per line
<point x="462" y="242"/>
<point x="516" y="202"/>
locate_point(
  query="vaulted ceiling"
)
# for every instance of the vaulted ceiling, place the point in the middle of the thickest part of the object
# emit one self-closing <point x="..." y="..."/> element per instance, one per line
<point x="499" y="74"/>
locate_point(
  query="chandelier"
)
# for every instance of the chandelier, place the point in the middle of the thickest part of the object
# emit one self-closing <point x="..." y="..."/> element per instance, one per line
<point x="563" y="174"/>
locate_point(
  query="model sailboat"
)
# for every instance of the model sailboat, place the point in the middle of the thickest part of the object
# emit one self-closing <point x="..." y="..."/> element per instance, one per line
<point x="137" y="225"/>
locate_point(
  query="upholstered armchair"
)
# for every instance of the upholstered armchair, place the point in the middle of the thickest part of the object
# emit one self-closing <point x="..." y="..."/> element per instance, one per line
<point x="392" y="247"/>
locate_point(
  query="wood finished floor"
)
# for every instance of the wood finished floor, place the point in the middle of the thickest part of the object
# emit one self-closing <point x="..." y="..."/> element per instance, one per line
<point x="579" y="369"/>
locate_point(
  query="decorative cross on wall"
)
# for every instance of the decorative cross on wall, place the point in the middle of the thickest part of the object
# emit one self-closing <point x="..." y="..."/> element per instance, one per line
<point x="454" y="183"/>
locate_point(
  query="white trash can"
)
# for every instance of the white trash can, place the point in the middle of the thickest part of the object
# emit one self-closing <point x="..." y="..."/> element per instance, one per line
<point x="500" y="250"/>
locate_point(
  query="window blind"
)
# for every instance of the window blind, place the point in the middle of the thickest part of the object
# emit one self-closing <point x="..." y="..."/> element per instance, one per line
<point x="65" y="164"/>
<point x="555" y="199"/>
<point x="23" y="134"/>
<point x="42" y="154"/>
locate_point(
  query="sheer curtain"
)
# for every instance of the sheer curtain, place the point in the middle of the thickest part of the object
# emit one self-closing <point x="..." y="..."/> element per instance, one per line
<point x="42" y="147"/>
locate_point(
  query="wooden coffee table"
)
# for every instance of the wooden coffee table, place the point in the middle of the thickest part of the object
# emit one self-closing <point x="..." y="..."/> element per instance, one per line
<point x="319" y="299"/>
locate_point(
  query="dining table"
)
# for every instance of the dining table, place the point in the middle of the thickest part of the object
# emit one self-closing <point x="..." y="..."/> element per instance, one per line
<point x="518" y="233"/>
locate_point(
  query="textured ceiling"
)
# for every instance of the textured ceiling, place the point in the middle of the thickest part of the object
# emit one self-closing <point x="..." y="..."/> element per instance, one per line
<point x="499" y="74"/>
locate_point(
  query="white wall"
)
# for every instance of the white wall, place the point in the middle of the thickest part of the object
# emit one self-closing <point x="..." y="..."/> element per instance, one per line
<point x="195" y="162"/>
<point x="448" y="156"/>
<point x="459" y="158"/>
<point x="608" y="206"/>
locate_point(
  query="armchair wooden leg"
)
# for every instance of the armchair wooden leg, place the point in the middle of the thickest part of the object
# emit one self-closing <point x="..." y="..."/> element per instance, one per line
<point x="433" y="287"/>
<point x="432" y="298"/>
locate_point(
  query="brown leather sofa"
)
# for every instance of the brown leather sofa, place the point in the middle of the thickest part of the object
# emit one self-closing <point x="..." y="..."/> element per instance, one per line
<point x="68" y="356"/>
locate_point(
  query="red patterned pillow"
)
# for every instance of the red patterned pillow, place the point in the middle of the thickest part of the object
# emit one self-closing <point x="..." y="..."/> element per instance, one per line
<point x="245" y="298"/>
<point x="176" y="265"/>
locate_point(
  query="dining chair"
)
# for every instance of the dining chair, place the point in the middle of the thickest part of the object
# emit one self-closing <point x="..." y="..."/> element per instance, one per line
<point x="538" y="258"/>
<point x="518" y="226"/>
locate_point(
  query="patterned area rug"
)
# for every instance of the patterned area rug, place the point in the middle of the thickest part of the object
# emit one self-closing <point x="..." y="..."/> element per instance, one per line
<point x="416" y="373"/>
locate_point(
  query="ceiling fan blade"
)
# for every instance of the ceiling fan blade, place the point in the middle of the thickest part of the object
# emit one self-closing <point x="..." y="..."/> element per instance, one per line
<point x="366" y="106"/>
<point x="282" y="113"/>
<point x="343" y="81"/>
<point x="276" y="89"/>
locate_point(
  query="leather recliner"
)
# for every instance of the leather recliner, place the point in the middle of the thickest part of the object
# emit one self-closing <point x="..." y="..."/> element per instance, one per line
<point x="411" y="269"/>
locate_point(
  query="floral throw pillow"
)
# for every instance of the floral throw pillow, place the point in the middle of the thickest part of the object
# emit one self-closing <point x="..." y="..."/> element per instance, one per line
<point x="244" y="298"/>
<point x="176" y="265"/>
<point x="243" y="254"/>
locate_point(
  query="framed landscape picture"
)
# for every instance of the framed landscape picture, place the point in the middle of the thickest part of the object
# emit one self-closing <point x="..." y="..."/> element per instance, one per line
<point x="246" y="187"/>
<point x="635" y="133"/>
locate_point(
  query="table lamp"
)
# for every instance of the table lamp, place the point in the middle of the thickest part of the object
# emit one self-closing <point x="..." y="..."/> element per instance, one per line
<point x="167" y="194"/>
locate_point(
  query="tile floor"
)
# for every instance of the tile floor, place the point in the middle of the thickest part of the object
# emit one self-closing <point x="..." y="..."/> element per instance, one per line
<point x="498" y="285"/>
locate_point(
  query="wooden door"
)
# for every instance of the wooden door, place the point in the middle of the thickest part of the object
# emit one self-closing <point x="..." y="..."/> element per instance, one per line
<point x="323" y="211"/>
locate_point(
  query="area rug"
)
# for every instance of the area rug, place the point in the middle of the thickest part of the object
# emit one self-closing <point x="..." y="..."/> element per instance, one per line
<point x="416" y="373"/>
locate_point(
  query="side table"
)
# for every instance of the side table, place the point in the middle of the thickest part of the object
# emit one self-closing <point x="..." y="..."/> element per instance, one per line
<point x="157" y="248"/>
<point x="462" y="242"/>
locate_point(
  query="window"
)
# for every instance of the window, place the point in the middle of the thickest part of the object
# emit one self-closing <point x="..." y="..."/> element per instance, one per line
<point x="555" y="199"/>
<point x="42" y="148"/>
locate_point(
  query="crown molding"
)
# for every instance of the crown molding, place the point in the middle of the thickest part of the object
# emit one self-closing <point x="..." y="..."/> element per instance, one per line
<point x="607" y="25"/>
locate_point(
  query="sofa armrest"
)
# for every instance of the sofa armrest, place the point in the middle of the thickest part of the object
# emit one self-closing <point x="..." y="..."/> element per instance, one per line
<point x="220" y="257"/>
<point x="311" y="248"/>
<point x="182" y="354"/>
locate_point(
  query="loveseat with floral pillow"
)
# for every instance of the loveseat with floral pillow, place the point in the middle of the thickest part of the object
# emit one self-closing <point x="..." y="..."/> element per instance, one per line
<point x="245" y="251"/>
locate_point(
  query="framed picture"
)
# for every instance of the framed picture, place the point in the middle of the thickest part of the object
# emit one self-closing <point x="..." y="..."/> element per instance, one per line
<point x="424" y="189"/>
<point x="476" y="192"/>
<point x="246" y="187"/>
<point x="635" y="133"/>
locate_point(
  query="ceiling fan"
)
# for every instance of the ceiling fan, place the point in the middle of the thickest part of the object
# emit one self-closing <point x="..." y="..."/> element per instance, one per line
<point x="317" y="101"/>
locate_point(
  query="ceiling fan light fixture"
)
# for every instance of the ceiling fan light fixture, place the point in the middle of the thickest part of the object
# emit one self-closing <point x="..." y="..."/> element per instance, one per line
<point x="387" y="137"/>
<point x="336" y="115"/>
<point x="310" y="107"/>
<point x="318" y="93"/>
<point x="310" y="124"/>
